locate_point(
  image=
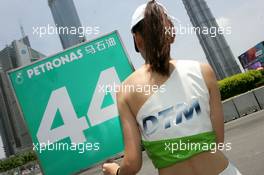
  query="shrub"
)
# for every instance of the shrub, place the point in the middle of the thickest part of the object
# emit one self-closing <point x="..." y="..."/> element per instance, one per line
<point x="17" y="160"/>
<point x="240" y="83"/>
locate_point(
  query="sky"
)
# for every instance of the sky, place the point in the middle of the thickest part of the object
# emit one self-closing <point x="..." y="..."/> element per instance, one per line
<point x="246" y="19"/>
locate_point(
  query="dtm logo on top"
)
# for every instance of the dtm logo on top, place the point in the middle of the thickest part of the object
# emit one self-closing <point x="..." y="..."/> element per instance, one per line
<point x="73" y="121"/>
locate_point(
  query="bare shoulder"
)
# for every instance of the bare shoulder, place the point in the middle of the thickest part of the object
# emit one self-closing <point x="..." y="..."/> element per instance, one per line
<point x="208" y="74"/>
<point x="207" y="70"/>
<point x="133" y="79"/>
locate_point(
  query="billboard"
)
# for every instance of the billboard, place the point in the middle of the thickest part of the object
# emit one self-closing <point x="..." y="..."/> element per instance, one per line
<point x="253" y="58"/>
<point x="72" y="119"/>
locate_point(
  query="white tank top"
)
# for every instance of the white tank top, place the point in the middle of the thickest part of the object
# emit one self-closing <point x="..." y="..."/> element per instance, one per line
<point x="177" y="113"/>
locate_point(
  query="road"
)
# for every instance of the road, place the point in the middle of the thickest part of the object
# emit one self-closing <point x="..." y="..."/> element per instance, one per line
<point x="246" y="135"/>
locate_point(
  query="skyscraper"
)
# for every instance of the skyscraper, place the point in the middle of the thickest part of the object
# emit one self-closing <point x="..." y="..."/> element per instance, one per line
<point x="13" y="130"/>
<point x="66" y="18"/>
<point x="217" y="51"/>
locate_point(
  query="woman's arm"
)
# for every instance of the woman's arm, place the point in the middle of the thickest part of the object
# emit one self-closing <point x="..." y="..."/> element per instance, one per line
<point x="132" y="161"/>
<point x="216" y="108"/>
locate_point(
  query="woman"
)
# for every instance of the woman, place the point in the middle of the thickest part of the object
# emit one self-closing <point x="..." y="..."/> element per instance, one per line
<point x="186" y="108"/>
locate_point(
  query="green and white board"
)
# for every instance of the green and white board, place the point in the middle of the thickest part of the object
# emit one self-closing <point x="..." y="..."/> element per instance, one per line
<point x="70" y="112"/>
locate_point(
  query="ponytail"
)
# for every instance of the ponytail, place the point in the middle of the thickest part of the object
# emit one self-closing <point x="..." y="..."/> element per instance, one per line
<point x="156" y="42"/>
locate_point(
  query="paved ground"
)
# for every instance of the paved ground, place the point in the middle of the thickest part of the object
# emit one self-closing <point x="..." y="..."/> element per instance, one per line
<point x="247" y="137"/>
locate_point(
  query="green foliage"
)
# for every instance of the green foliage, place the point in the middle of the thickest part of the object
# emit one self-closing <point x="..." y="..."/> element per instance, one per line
<point x="240" y="83"/>
<point x="17" y="160"/>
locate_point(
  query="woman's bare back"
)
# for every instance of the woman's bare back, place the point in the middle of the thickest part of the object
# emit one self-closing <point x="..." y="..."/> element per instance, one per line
<point x="205" y="163"/>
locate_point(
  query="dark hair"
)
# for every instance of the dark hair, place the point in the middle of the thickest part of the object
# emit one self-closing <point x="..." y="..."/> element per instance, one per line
<point x="156" y="42"/>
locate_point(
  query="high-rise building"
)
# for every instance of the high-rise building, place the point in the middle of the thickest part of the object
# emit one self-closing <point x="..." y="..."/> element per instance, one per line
<point x="217" y="51"/>
<point x="66" y="18"/>
<point x="13" y="130"/>
<point x="6" y="128"/>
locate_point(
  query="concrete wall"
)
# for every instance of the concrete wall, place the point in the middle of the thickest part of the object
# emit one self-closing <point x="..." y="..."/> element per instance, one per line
<point x="259" y="93"/>
<point x="243" y="104"/>
<point x="230" y="111"/>
<point x="246" y="104"/>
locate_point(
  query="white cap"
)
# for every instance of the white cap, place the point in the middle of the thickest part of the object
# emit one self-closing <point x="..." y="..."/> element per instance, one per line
<point x="140" y="13"/>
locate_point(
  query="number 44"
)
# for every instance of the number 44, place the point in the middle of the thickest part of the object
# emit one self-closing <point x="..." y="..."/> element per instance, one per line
<point x="73" y="126"/>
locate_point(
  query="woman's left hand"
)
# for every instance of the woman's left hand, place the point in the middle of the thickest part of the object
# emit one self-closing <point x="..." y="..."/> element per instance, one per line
<point x="110" y="168"/>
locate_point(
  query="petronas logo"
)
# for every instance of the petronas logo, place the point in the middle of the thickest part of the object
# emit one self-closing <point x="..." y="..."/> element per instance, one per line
<point x="19" y="78"/>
